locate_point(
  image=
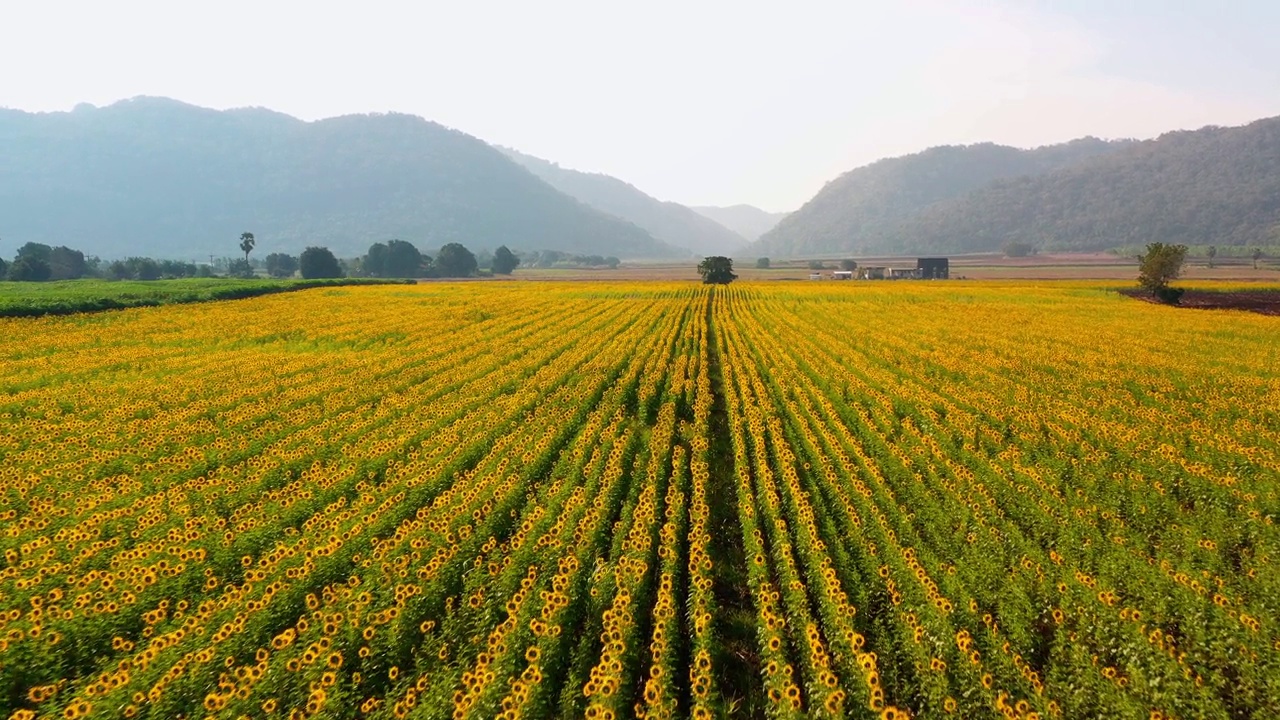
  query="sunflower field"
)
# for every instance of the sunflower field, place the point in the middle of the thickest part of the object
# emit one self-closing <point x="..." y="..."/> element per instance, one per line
<point x="649" y="500"/>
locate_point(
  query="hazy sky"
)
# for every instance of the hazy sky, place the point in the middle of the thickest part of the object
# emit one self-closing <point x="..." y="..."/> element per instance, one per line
<point x="702" y="102"/>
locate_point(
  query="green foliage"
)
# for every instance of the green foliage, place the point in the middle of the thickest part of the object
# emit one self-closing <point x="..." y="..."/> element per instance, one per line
<point x="762" y="263"/>
<point x="1190" y="187"/>
<point x="36" y="251"/>
<point x="817" y="265"/>
<point x="239" y="268"/>
<point x="1160" y="265"/>
<point x="862" y="210"/>
<point x="1017" y="249"/>
<point x="281" y="265"/>
<point x="1213" y="252"/>
<point x="79" y="296"/>
<point x="716" y="270"/>
<point x="848" y="265"/>
<point x="151" y="176"/>
<point x="136" y="268"/>
<point x="394" y="259"/>
<point x="246" y="245"/>
<point x="28" y="268"/>
<point x="455" y="261"/>
<point x="4" y="268"/>
<point x="319" y="262"/>
<point x="504" y="261"/>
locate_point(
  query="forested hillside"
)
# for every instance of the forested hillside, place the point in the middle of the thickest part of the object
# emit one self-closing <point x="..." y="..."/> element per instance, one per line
<point x="670" y="222"/>
<point x="862" y="210"/>
<point x="157" y="177"/>
<point x="1214" y="186"/>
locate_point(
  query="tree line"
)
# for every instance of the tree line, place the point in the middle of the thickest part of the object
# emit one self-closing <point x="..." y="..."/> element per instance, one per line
<point x="36" y="262"/>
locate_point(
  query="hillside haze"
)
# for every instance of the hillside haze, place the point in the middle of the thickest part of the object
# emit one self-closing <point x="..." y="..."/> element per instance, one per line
<point x="670" y="222"/>
<point x="861" y="211"/>
<point x="748" y="221"/>
<point x="1213" y="186"/>
<point x="157" y="177"/>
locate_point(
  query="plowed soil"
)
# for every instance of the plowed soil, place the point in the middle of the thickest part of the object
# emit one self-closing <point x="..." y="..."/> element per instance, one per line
<point x="1265" y="302"/>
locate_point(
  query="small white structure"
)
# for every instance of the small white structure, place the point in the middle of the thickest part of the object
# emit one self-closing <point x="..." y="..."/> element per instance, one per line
<point x="842" y="275"/>
<point x="815" y="276"/>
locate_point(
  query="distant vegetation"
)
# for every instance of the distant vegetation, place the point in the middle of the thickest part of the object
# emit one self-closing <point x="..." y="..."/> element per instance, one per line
<point x="860" y="212"/>
<point x="669" y="222"/>
<point x="1214" y="186"/>
<point x="155" y="177"/>
<point x="75" y="296"/>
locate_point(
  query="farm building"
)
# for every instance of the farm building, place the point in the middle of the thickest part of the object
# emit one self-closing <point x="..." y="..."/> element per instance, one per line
<point x="842" y="275"/>
<point x="904" y="273"/>
<point x="871" y="273"/>
<point x="934" y="268"/>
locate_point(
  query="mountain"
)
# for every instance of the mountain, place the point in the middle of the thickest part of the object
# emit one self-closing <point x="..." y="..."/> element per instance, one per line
<point x="670" y="222"/>
<point x="156" y="177"/>
<point x="860" y="212"/>
<point x="748" y="221"/>
<point x="1213" y="186"/>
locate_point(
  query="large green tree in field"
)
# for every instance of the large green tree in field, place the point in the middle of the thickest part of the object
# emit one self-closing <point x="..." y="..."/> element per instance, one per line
<point x="455" y="260"/>
<point x="1160" y="265"/>
<point x="394" y="258"/>
<point x="67" y="264"/>
<point x="716" y="270"/>
<point x="504" y="261"/>
<point x="319" y="262"/>
<point x="281" y="265"/>
<point x="29" y="269"/>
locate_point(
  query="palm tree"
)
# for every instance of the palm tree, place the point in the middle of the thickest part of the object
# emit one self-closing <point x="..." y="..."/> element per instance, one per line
<point x="246" y="245"/>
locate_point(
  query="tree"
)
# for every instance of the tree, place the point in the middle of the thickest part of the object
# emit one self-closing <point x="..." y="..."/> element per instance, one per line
<point x="1018" y="249"/>
<point x="396" y="258"/>
<point x="848" y="265"/>
<point x="280" y="265"/>
<point x="119" y="270"/>
<point x="319" y="262"/>
<point x="716" y="270"/>
<point x="374" y="260"/>
<point x="455" y="260"/>
<point x="612" y="262"/>
<point x="1213" y="252"/>
<point x="1160" y="265"/>
<point x="35" y="251"/>
<point x="1257" y="255"/>
<point x="29" y="269"/>
<point x="4" y="269"/>
<point x="143" y="268"/>
<point x="762" y="263"/>
<point x="67" y="264"/>
<point x="240" y="268"/>
<point x="246" y="246"/>
<point x="504" y="261"/>
<point x="816" y="265"/>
